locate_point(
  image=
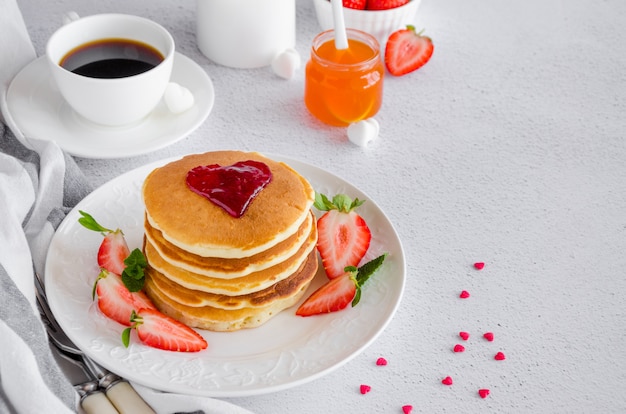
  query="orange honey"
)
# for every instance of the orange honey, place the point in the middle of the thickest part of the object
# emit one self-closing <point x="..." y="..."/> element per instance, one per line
<point x="344" y="86"/>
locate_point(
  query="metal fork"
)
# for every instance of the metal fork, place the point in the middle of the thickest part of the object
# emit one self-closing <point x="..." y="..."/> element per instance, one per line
<point x="120" y="393"/>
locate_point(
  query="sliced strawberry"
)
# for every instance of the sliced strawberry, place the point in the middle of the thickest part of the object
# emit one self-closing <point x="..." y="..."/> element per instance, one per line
<point x="115" y="300"/>
<point x="112" y="252"/>
<point x="113" y="249"/>
<point x="407" y="51"/>
<point x="343" y="235"/>
<point x="335" y="294"/>
<point x="330" y="297"/>
<point x="160" y="331"/>
<point x="384" y="4"/>
<point x="355" y="4"/>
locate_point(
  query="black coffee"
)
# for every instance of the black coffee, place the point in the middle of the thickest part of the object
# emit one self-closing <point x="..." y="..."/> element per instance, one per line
<point x="111" y="58"/>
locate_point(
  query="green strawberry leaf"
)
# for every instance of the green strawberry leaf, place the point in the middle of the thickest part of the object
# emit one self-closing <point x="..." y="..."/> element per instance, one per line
<point x="103" y="274"/>
<point x="322" y="203"/>
<point x="340" y="202"/>
<point x="90" y="223"/>
<point x="357" y="296"/>
<point x="126" y="337"/>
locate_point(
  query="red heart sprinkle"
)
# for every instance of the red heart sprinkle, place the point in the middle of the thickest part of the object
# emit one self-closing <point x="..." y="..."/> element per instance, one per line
<point x="381" y="361"/>
<point x="464" y="335"/>
<point x="447" y="381"/>
<point x="488" y="336"/>
<point x="231" y="187"/>
<point x="479" y="265"/>
<point x="407" y="409"/>
<point x="499" y="356"/>
<point x="365" y="389"/>
<point x="464" y="294"/>
<point x="483" y="392"/>
<point x="459" y="348"/>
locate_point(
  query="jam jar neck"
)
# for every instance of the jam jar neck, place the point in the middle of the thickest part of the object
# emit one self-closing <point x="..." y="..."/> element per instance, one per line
<point x="353" y="34"/>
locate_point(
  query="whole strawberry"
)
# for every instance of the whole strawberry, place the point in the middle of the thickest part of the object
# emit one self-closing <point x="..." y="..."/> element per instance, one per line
<point x="343" y="235"/>
<point x="407" y="51"/>
<point x="384" y="4"/>
<point x="355" y="4"/>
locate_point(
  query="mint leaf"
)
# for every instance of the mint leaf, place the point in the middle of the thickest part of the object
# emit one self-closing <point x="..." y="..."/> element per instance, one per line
<point x="364" y="273"/>
<point x="136" y="258"/>
<point x="369" y="268"/>
<point x="132" y="284"/>
<point x="133" y="275"/>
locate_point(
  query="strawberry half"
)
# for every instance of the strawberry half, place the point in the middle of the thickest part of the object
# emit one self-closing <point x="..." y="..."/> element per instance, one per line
<point x="112" y="252"/>
<point x="407" y="51"/>
<point x="335" y="294"/>
<point x="354" y="4"/>
<point x="113" y="249"/>
<point x="160" y="331"/>
<point x="384" y="4"/>
<point x="115" y="256"/>
<point x="115" y="300"/>
<point x="343" y="235"/>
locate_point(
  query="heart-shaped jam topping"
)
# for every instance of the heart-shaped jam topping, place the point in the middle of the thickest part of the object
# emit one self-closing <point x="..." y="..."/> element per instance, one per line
<point x="231" y="187"/>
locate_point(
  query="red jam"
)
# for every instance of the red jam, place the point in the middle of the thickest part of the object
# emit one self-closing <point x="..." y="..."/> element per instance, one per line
<point x="231" y="187"/>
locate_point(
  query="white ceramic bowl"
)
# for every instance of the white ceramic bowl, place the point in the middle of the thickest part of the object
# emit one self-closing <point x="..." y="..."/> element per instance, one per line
<point x="380" y="23"/>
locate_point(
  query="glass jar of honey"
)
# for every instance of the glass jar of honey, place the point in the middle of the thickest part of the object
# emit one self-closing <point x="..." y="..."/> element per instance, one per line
<point x="344" y="86"/>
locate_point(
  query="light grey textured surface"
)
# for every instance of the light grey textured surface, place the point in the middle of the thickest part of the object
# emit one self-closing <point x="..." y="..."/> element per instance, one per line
<point x="508" y="148"/>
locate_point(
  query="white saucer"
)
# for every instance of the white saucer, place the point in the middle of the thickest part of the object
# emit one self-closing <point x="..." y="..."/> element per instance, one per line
<point x="39" y="111"/>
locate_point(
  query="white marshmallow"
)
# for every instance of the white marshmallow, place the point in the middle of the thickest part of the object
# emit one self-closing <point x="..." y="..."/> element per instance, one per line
<point x="178" y="98"/>
<point x="363" y="132"/>
<point x="286" y="63"/>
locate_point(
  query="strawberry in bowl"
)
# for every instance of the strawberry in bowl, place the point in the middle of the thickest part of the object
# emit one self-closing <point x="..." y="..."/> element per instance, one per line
<point x="377" y="17"/>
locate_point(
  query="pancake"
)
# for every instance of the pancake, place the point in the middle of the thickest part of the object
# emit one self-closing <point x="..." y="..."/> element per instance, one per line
<point x="213" y="271"/>
<point x="216" y="319"/>
<point x="247" y="284"/>
<point x="193" y="223"/>
<point x="172" y="257"/>
<point x="260" y="299"/>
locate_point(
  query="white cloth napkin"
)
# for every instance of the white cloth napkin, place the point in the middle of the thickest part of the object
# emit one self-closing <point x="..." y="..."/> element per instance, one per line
<point x="39" y="184"/>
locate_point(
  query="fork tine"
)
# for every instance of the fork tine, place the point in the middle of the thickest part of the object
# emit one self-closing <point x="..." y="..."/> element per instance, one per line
<point x="118" y="390"/>
<point x="55" y="333"/>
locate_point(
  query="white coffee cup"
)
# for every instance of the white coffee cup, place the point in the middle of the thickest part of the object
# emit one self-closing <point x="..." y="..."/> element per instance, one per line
<point x="116" y="101"/>
<point x="245" y="33"/>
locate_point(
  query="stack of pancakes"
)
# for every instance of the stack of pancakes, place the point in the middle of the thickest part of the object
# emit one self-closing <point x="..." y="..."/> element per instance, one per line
<point x="213" y="271"/>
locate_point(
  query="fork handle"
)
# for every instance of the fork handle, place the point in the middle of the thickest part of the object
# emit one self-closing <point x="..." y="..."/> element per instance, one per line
<point x="126" y="400"/>
<point x="97" y="403"/>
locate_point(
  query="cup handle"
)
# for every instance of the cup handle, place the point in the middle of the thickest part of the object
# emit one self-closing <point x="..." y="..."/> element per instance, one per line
<point x="69" y="17"/>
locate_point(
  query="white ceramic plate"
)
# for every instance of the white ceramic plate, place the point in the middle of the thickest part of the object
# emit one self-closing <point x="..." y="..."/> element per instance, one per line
<point x="286" y="351"/>
<point x="39" y="111"/>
